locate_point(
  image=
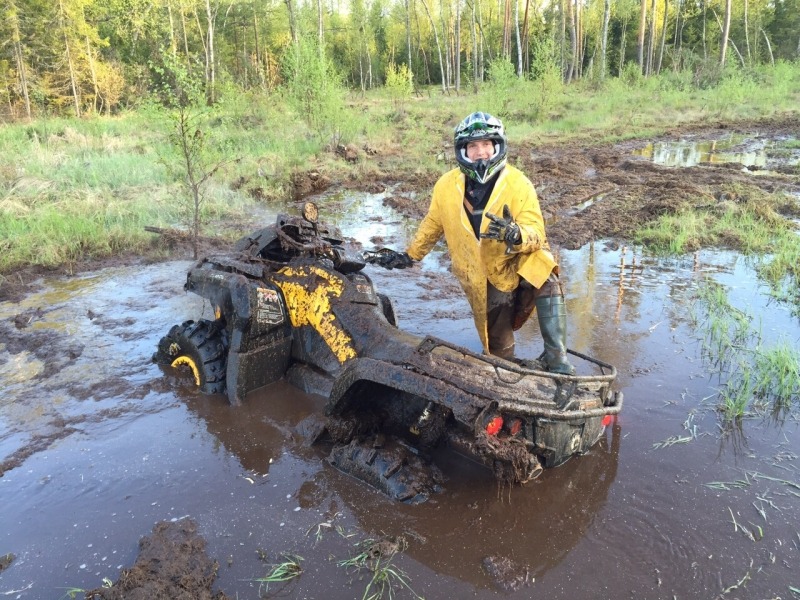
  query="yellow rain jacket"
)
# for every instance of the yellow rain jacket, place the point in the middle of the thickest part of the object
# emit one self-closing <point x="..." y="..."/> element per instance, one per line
<point x="476" y="261"/>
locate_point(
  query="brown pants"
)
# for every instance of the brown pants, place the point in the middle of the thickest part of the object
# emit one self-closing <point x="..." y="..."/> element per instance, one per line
<point x="507" y="311"/>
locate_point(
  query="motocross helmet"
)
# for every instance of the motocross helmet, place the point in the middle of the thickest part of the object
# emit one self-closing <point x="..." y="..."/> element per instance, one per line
<point x="481" y="126"/>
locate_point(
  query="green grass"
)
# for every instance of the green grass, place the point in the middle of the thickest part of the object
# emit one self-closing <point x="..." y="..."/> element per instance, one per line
<point x="749" y="222"/>
<point x="285" y="570"/>
<point x="754" y="378"/>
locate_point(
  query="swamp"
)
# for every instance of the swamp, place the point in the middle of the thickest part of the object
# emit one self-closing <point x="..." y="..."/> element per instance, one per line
<point x="693" y="492"/>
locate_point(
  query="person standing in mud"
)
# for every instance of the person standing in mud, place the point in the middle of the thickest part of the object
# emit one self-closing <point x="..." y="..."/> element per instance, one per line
<point x="503" y="263"/>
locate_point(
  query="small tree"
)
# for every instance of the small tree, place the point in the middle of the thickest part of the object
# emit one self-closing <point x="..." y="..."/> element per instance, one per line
<point x="503" y="83"/>
<point x="185" y="111"/>
<point x="313" y="86"/>
<point x="399" y="84"/>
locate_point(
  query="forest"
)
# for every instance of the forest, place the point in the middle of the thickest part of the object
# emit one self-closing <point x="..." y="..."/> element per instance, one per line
<point x="82" y="57"/>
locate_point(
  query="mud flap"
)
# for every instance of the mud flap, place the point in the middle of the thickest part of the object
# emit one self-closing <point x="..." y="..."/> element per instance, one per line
<point x="389" y="466"/>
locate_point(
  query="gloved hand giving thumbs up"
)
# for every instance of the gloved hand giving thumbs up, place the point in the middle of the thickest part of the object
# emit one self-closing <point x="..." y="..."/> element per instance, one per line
<point x="503" y="230"/>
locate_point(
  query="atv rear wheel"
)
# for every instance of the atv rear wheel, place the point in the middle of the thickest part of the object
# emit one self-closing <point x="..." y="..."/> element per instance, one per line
<point x="199" y="346"/>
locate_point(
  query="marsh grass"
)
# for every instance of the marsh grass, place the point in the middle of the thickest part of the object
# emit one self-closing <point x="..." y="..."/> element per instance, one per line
<point x="747" y="220"/>
<point x="285" y="570"/>
<point x="385" y="579"/>
<point x="754" y="377"/>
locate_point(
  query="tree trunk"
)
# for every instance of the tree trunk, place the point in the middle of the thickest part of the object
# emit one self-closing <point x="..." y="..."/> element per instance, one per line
<point x="185" y="42"/>
<point x="173" y="44"/>
<point x="438" y="46"/>
<point x="622" y="47"/>
<point x="474" y="52"/>
<point x="604" y="37"/>
<point x="93" y="72"/>
<point x="651" y="39"/>
<point x="447" y="75"/>
<point x="408" y="34"/>
<point x="506" y="51"/>
<point x="457" y="45"/>
<point x="369" y="68"/>
<point x="481" y="42"/>
<point x="519" y="44"/>
<point x="211" y="73"/>
<point x="747" y="33"/>
<point x="769" y="48"/>
<point x="257" y="49"/>
<point x="726" y="30"/>
<point x="19" y="58"/>
<point x="581" y="39"/>
<point x="526" y="39"/>
<point x="73" y="77"/>
<point x="292" y="21"/>
<point x="663" y="41"/>
<point x="562" y="37"/>
<point x="704" y="11"/>
<point x="642" y="29"/>
<point x="573" y="40"/>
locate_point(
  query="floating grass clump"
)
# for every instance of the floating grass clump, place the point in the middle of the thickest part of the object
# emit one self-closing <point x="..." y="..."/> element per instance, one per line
<point x="285" y="570"/>
<point x="376" y="556"/>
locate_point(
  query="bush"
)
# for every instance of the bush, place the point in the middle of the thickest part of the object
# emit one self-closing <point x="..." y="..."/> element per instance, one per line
<point x="313" y="87"/>
<point x="399" y="84"/>
<point x="503" y="83"/>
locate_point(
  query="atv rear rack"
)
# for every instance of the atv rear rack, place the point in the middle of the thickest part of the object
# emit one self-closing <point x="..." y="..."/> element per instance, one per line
<point x="565" y="388"/>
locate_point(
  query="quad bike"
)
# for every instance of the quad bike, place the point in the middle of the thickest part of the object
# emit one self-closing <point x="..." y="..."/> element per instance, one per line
<point x="291" y="302"/>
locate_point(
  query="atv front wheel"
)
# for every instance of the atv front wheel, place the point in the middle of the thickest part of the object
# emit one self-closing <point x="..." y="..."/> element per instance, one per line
<point x="201" y="346"/>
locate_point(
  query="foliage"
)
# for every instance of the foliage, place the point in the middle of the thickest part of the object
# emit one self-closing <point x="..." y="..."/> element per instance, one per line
<point x="399" y="84"/>
<point x="88" y="57"/>
<point x="313" y="87"/>
<point x="502" y="87"/>
<point x="186" y="116"/>
<point x="546" y="75"/>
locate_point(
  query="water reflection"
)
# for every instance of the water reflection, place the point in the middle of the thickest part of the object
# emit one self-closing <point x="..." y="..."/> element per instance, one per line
<point x="689" y="153"/>
<point x="534" y="527"/>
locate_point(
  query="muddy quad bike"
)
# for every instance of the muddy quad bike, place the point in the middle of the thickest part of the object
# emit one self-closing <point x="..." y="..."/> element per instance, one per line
<point x="290" y="301"/>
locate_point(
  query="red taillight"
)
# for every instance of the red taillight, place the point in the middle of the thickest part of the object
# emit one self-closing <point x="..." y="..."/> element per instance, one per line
<point x="494" y="425"/>
<point x="607" y="420"/>
<point x="515" y="426"/>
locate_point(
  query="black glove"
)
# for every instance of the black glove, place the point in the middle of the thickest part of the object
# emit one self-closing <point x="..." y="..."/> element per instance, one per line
<point x="389" y="259"/>
<point x="503" y="230"/>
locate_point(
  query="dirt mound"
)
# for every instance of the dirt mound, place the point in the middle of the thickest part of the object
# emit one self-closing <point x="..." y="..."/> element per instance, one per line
<point x="172" y="565"/>
<point x="306" y="184"/>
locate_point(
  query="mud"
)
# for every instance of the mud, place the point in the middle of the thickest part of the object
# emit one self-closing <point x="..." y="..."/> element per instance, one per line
<point x="97" y="444"/>
<point x="172" y="565"/>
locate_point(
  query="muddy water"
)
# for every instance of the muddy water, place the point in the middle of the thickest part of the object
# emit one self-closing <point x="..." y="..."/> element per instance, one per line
<point x="98" y="444"/>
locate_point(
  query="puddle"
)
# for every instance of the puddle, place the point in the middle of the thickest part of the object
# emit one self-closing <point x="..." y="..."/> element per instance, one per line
<point x="753" y="153"/>
<point x="99" y="445"/>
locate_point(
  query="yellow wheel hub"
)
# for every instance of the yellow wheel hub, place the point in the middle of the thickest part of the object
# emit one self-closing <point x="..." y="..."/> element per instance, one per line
<point x="185" y="360"/>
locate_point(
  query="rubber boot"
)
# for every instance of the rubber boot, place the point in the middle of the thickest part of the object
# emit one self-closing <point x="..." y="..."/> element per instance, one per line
<point x="552" y="313"/>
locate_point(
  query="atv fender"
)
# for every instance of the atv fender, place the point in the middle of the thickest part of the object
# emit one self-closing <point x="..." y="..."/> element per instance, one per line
<point x="259" y="329"/>
<point x="347" y="392"/>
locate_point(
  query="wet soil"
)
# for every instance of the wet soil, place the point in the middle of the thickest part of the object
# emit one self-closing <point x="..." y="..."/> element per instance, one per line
<point x="172" y="565"/>
<point x="97" y="444"/>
